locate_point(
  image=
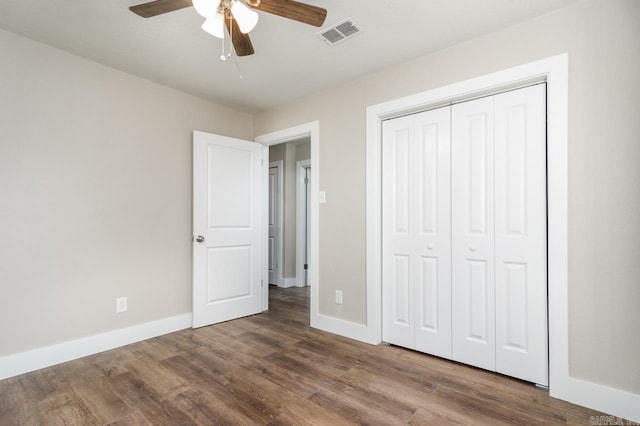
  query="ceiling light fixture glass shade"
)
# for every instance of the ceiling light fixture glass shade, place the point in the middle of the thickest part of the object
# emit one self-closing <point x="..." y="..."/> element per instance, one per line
<point x="246" y="18"/>
<point x="214" y="25"/>
<point x="206" y="8"/>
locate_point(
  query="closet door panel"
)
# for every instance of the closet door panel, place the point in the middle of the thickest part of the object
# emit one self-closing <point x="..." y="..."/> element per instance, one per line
<point x="398" y="227"/>
<point x="521" y="234"/>
<point x="433" y="232"/>
<point x="416" y="232"/>
<point x="472" y="199"/>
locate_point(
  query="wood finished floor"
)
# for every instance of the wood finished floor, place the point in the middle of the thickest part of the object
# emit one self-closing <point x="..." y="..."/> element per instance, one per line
<point x="272" y="369"/>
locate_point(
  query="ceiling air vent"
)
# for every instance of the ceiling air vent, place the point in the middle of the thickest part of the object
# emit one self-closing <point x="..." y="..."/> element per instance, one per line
<point x="339" y="32"/>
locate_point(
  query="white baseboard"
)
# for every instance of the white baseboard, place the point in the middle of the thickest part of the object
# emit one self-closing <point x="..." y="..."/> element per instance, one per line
<point x="25" y="362"/>
<point x="288" y="282"/>
<point x="612" y="401"/>
<point x="342" y="327"/>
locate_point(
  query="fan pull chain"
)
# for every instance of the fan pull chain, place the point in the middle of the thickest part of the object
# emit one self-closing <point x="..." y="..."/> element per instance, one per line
<point x="237" y="67"/>
<point x="224" y="56"/>
<point x="230" y="36"/>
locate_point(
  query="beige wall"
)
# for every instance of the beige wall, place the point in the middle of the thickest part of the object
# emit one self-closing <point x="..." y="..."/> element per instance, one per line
<point x="603" y="42"/>
<point x="95" y="195"/>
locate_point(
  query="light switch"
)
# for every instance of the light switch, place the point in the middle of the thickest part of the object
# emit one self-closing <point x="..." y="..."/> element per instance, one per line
<point x="322" y="197"/>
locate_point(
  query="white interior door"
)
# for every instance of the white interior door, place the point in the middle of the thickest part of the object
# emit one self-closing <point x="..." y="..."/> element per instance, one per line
<point x="520" y="234"/>
<point x="274" y="225"/>
<point x="416" y="232"/>
<point x="227" y="228"/>
<point x="472" y="224"/>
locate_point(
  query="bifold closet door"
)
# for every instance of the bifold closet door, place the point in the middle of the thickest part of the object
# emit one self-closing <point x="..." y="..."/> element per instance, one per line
<point x="499" y="234"/>
<point x="521" y="234"/>
<point x="416" y="232"/>
<point x="472" y="224"/>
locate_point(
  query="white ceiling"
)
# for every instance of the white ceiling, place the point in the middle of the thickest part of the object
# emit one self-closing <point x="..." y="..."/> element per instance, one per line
<point x="290" y="61"/>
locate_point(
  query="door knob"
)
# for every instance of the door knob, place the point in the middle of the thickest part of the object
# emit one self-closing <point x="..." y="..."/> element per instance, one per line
<point x="200" y="238"/>
<point x="472" y="247"/>
<point x="430" y="246"/>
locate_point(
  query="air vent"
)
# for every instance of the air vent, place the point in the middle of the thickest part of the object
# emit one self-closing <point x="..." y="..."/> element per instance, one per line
<point x="339" y="32"/>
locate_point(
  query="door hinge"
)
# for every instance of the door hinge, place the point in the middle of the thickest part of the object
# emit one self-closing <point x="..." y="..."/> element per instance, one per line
<point x="306" y="266"/>
<point x="261" y="283"/>
<point x="306" y="181"/>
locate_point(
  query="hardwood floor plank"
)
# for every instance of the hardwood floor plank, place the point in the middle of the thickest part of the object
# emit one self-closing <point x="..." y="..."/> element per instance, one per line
<point x="16" y="406"/>
<point x="104" y="405"/>
<point x="64" y="409"/>
<point x="426" y="417"/>
<point x="138" y="394"/>
<point x="358" y="412"/>
<point x="192" y="368"/>
<point x="307" y="412"/>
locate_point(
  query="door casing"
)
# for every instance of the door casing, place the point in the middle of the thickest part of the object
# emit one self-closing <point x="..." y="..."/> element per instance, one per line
<point x="301" y="221"/>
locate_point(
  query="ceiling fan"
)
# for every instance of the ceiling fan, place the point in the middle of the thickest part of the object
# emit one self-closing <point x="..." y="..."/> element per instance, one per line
<point x="237" y="17"/>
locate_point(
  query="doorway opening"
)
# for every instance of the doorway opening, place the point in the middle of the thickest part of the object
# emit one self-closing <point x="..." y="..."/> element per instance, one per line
<point x="297" y="147"/>
<point x="289" y="181"/>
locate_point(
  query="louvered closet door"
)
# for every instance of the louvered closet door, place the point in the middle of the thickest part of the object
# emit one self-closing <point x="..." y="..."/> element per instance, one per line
<point x="521" y="234"/>
<point x="416" y="232"/>
<point x="472" y="224"/>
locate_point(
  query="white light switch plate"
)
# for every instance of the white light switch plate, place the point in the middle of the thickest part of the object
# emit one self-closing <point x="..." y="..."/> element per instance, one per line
<point x="121" y="305"/>
<point x="322" y="197"/>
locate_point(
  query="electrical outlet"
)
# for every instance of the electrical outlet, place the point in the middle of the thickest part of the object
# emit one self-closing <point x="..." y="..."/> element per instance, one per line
<point x="338" y="297"/>
<point x="121" y="305"/>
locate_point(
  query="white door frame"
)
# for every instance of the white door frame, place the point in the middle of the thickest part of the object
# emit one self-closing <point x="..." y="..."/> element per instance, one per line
<point x="311" y="130"/>
<point x="301" y="222"/>
<point x="280" y="166"/>
<point x="554" y="71"/>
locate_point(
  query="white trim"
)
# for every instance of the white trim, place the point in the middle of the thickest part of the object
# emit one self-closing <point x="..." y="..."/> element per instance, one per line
<point x="288" y="282"/>
<point x="554" y="71"/>
<point x="344" y="328"/>
<point x="25" y="362"/>
<point x="265" y="229"/>
<point x="311" y="130"/>
<point x="301" y="206"/>
<point x="602" y="398"/>
<point x="280" y="166"/>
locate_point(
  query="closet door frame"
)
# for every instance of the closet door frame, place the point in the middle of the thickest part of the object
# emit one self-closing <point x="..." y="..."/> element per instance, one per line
<point x="553" y="71"/>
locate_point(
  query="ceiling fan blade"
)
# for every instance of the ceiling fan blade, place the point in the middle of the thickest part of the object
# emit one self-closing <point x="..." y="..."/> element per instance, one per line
<point x="291" y="9"/>
<point x="158" y="7"/>
<point x="241" y="42"/>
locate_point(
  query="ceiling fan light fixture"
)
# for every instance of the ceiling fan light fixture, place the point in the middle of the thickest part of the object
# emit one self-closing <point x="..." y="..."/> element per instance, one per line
<point x="214" y="25"/>
<point x="206" y="8"/>
<point x="246" y="18"/>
